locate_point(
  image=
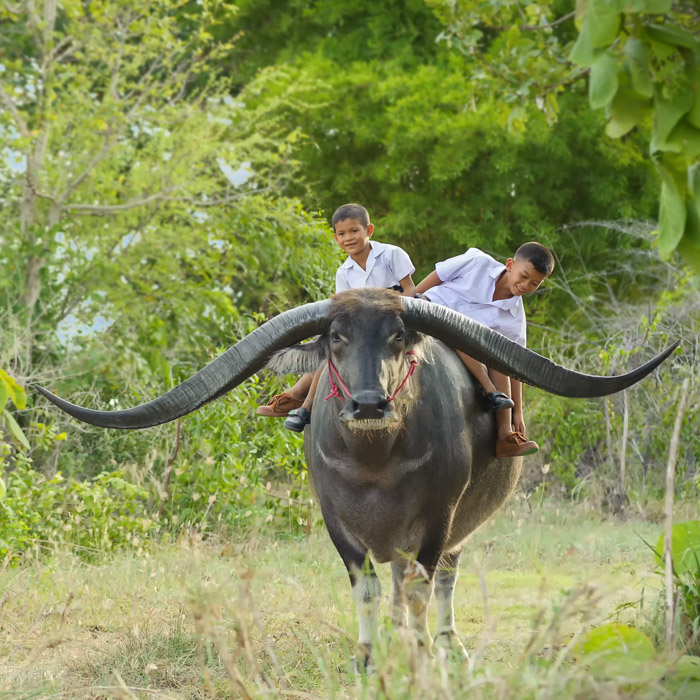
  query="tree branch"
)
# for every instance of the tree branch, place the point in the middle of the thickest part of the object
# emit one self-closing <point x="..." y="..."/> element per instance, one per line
<point x="12" y="109"/>
<point x="535" y="27"/>
<point x="99" y="210"/>
<point x="109" y="141"/>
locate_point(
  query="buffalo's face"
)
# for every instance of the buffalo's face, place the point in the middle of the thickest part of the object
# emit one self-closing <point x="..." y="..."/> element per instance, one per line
<point x="369" y="360"/>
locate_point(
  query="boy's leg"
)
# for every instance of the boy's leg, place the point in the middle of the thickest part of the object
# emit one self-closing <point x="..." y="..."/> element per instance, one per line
<point x="300" y="417"/>
<point x="508" y="442"/>
<point x="280" y="405"/>
<point x="496" y="398"/>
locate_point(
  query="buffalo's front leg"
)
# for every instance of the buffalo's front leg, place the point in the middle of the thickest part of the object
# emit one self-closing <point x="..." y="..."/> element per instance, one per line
<point x="412" y="589"/>
<point x="445" y="579"/>
<point x="366" y="589"/>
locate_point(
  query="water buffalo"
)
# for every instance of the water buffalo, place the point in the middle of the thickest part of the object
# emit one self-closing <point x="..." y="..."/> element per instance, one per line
<point x="404" y="467"/>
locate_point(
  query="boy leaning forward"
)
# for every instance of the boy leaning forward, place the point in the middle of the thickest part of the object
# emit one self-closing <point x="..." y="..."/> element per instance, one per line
<point x="478" y="286"/>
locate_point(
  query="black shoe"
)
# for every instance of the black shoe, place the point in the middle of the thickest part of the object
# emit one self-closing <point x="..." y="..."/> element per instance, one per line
<point x="497" y="400"/>
<point x="297" y="420"/>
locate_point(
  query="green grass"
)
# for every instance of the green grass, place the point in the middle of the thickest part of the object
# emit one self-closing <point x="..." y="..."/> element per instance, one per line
<point x="272" y="617"/>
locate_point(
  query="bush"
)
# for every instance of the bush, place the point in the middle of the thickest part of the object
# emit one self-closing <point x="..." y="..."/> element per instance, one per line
<point x="104" y="513"/>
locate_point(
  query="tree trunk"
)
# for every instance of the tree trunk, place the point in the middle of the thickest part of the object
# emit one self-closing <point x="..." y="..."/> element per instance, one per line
<point x="623" y="445"/>
<point x="668" y="512"/>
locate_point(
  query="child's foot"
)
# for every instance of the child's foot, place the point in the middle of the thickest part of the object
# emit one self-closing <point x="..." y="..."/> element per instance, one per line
<point x="515" y="445"/>
<point x="496" y="400"/>
<point x="279" y="406"/>
<point x="297" y="420"/>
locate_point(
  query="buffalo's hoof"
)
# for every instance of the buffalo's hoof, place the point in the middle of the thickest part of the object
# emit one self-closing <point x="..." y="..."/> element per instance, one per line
<point x="363" y="661"/>
<point x="448" y="645"/>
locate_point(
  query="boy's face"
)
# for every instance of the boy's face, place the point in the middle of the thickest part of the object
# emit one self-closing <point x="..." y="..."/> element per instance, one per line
<point x="522" y="277"/>
<point x="352" y="236"/>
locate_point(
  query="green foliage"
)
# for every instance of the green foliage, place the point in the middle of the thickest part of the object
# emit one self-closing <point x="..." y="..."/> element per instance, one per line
<point x="685" y="547"/>
<point x="574" y="436"/>
<point x="643" y="59"/>
<point x="102" y="514"/>
<point x="645" y="65"/>
<point x="11" y="391"/>
<point x="237" y="470"/>
<point x="685" y="551"/>
<point x="615" y="650"/>
<point x="434" y="162"/>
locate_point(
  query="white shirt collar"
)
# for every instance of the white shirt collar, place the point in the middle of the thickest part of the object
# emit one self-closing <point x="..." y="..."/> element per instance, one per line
<point x="514" y="303"/>
<point x="375" y="250"/>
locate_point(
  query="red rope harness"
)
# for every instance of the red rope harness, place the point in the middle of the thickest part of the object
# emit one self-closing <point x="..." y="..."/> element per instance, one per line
<point x="335" y="390"/>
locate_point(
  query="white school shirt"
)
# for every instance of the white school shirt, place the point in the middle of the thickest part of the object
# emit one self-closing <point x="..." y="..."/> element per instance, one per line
<point x="468" y="283"/>
<point x="386" y="266"/>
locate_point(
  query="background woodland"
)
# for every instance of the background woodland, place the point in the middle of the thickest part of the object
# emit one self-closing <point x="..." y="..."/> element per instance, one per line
<point x="168" y="171"/>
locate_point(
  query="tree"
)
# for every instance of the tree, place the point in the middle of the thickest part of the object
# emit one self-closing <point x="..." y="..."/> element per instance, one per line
<point x="127" y="165"/>
<point x="643" y="62"/>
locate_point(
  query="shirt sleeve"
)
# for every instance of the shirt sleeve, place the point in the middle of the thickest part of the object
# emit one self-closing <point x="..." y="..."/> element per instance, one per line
<point x="341" y="282"/>
<point x="401" y="264"/>
<point x="459" y="266"/>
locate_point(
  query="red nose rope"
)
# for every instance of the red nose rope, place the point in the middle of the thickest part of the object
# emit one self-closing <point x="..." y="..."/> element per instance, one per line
<point x="335" y="390"/>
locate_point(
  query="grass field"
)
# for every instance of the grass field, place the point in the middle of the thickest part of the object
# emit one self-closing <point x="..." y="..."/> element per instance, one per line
<point x="272" y="617"/>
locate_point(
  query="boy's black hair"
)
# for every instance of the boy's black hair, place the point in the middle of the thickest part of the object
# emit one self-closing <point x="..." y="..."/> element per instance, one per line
<point x="540" y="257"/>
<point x="351" y="211"/>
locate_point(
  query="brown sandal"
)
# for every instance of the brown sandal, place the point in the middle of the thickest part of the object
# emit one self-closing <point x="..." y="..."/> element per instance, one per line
<point x="279" y="406"/>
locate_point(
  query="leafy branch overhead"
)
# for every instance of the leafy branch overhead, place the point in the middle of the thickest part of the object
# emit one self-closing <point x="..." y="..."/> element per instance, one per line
<point x="643" y="62"/>
<point x="645" y="69"/>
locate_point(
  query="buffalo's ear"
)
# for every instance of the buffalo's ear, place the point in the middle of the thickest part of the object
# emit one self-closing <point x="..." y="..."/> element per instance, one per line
<point x="421" y="345"/>
<point x="306" y="357"/>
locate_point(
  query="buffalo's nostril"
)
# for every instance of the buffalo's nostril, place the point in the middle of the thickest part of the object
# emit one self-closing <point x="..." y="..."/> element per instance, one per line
<point x="363" y="410"/>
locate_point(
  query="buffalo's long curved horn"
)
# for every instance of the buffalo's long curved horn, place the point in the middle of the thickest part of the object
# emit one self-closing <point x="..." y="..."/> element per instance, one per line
<point x="221" y="375"/>
<point x="500" y="353"/>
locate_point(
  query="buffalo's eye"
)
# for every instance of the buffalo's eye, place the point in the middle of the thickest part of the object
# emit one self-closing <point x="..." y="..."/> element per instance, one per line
<point x="335" y="337"/>
<point x="398" y="337"/>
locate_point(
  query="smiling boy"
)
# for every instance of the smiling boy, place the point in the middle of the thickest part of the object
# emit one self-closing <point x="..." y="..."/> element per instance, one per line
<point x="489" y="292"/>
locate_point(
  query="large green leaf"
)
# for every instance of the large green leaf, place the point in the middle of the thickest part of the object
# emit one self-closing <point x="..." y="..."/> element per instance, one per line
<point x="10" y="385"/>
<point x="603" y="81"/>
<point x="690" y="252"/>
<point x="4" y="392"/>
<point x="603" y="23"/>
<point x="637" y="55"/>
<point x="671" y="216"/>
<point x="20" y="397"/>
<point x="615" y="650"/>
<point x="627" y="111"/>
<point x="667" y="113"/>
<point x="692" y="224"/>
<point x="688" y="667"/>
<point x="652" y="6"/>
<point x="694" y="113"/>
<point x="694" y="183"/>
<point x="14" y="428"/>
<point x="685" y="545"/>
<point x="582" y="53"/>
<point x="670" y="34"/>
<point x="684" y="139"/>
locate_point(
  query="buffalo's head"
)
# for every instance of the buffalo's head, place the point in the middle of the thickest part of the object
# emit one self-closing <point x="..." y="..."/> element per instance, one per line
<point x="369" y="354"/>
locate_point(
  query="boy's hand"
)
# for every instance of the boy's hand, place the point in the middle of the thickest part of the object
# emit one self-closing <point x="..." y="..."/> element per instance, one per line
<point x="518" y="422"/>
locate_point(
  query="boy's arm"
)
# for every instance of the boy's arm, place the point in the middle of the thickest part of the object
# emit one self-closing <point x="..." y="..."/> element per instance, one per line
<point x="516" y="389"/>
<point x="409" y="289"/>
<point x="432" y="280"/>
